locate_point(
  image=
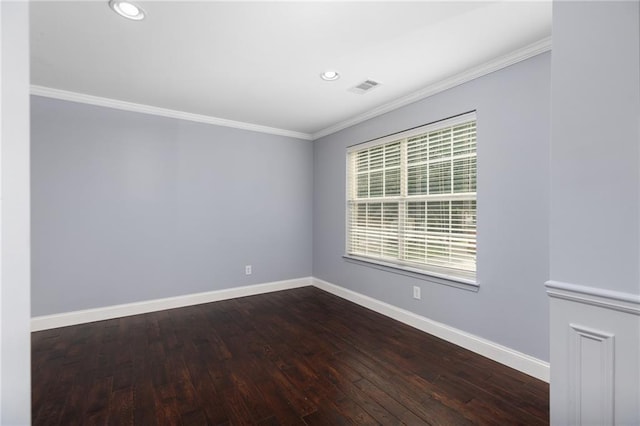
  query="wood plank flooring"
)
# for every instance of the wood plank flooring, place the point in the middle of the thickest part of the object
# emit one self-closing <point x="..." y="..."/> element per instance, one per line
<point x="296" y="357"/>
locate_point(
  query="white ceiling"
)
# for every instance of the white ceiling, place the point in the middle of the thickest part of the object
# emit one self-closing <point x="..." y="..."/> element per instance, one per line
<point x="259" y="63"/>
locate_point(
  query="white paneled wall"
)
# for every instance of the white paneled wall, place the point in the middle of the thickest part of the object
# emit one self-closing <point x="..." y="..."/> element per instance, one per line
<point x="595" y="356"/>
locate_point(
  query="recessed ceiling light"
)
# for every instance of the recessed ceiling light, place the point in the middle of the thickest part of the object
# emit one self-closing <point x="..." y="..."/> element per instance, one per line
<point x="127" y="9"/>
<point x="330" y="75"/>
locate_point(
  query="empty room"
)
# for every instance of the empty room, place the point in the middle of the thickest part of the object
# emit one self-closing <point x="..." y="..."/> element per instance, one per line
<point x="320" y="212"/>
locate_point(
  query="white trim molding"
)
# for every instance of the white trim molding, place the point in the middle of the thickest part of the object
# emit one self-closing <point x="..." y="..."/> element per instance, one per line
<point x="65" y="95"/>
<point x="609" y="299"/>
<point x="512" y="58"/>
<point x="502" y="354"/>
<point x="509" y="357"/>
<point x="109" y="312"/>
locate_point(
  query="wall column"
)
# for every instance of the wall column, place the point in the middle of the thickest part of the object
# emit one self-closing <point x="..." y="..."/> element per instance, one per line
<point x="15" y="338"/>
<point x="594" y="284"/>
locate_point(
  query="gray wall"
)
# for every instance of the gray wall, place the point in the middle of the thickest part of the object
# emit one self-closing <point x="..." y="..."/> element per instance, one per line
<point x="15" y="353"/>
<point x="513" y="112"/>
<point x="594" y="156"/>
<point x="130" y="207"/>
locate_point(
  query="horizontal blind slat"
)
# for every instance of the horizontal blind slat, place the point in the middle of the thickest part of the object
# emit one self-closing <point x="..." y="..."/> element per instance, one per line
<point x="438" y="223"/>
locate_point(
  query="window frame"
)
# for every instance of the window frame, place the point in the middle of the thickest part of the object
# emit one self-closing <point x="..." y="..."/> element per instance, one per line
<point x="445" y="275"/>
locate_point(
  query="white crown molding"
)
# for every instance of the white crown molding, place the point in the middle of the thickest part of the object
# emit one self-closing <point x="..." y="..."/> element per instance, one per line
<point x="609" y="299"/>
<point x="163" y="112"/>
<point x="502" y="354"/>
<point x="116" y="311"/>
<point x="519" y="55"/>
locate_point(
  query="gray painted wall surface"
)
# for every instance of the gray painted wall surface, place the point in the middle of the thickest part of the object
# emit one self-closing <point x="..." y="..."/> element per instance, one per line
<point x="511" y="307"/>
<point x="130" y="207"/>
<point x="15" y="349"/>
<point x="594" y="155"/>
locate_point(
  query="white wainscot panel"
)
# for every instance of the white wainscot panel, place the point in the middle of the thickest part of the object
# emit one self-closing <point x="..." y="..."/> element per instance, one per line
<point x="591" y="377"/>
<point x="595" y="356"/>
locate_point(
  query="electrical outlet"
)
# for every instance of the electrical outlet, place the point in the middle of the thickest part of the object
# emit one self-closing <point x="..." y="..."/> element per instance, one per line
<point x="416" y="292"/>
<point x="247" y="270"/>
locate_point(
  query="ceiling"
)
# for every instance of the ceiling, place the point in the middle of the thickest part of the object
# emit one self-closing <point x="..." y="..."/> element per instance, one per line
<point x="260" y="62"/>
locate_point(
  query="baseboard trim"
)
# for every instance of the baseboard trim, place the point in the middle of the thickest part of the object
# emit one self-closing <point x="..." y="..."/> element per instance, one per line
<point x="496" y="352"/>
<point x="116" y="311"/>
<point x="509" y="357"/>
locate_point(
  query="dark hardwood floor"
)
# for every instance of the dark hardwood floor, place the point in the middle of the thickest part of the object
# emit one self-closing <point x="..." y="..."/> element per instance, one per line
<point x="294" y="357"/>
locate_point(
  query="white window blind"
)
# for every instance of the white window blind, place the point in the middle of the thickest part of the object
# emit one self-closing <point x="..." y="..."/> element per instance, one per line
<point x="412" y="198"/>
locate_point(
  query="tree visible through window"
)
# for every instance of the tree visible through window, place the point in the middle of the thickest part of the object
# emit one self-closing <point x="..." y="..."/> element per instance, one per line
<point x="412" y="198"/>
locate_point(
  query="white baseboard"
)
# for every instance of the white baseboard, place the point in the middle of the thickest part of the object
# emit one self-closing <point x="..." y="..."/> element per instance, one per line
<point x="502" y="354"/>
<point x="514" y="359"/>
<point x="98" y="314"/>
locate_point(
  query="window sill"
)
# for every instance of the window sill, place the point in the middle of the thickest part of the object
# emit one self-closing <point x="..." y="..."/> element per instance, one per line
<point x="464" y="283"/>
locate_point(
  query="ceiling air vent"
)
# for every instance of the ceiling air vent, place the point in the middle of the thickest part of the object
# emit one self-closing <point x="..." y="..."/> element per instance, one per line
<point x="364" y="87"/>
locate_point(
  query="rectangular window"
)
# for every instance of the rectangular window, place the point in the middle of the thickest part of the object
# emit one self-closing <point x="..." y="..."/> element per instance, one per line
<point x="411" y="199"/>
